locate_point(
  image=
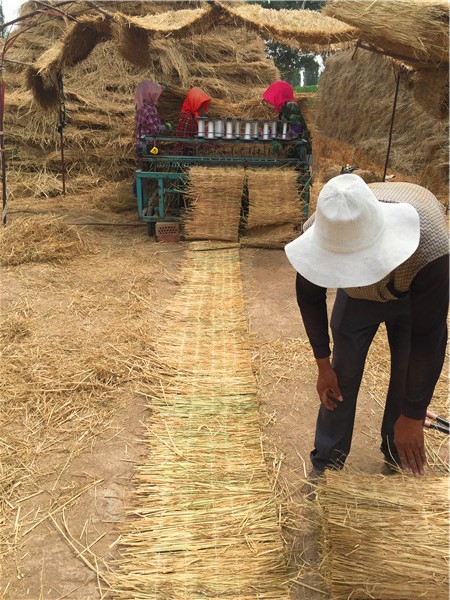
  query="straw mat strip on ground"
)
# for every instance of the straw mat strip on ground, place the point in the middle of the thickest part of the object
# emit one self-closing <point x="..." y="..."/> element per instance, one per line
<point x="385" y="538"/>
<point x="204" y="519"/>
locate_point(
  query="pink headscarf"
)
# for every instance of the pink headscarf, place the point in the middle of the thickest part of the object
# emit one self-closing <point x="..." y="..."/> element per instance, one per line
<point x="147" y="90"/>
<point x="278" y="93"/>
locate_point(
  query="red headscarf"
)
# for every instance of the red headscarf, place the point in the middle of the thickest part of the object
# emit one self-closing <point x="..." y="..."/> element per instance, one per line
<point x="278" y="93"/>
<point x="147" y="90"/>
<point x="196" y="99"/>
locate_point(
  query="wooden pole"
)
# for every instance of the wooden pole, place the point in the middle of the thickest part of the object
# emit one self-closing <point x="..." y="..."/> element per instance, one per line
<point x="62" y="123"/>
<point x="2" y="147"/>
<point x="391" y="128"/>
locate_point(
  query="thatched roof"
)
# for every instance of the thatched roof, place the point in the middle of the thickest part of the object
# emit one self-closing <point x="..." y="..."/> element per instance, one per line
<point x="415" y="32"/>
<point x="135" y="36"/>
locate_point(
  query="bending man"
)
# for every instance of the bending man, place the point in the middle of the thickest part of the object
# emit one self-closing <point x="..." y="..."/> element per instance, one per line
<point x="385" y="247"/>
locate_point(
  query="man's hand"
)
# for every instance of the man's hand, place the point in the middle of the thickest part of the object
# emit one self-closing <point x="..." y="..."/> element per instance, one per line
<point x="409" y="441"/>
<point x="327" y="384"/>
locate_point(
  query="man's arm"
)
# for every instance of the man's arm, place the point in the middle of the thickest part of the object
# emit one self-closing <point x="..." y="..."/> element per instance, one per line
<point x="312" y="301"/>
<point x="429" y="310"/>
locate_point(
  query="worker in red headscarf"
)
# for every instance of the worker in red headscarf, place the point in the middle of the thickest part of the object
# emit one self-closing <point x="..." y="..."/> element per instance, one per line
<point x="195" y="105"/>
<point x="280" y="95"/>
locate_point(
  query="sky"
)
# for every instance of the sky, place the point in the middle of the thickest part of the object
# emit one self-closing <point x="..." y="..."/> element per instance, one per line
<point x="11" y="8"/>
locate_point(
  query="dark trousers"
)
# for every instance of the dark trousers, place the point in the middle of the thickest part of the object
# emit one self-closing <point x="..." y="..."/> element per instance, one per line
<point x="353" y="325"/>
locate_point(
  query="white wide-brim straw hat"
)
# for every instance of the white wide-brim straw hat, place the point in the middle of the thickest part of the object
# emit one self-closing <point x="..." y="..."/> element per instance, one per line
<point x="355" y="239"/>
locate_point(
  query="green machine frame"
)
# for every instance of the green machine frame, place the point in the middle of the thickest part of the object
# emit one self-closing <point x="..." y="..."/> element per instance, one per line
<point x="161" y="175"/>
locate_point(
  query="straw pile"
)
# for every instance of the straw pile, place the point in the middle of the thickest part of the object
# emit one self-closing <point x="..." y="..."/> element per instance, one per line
<point x="354" y="105"/>
<point x="385" y="538"/>
<point x="214" y="211"/>
<point x="99" y="90"/>
<point x="133" y="35"/>
<point x="39" y="239"/>
<point x="203" y="521"/>
<point x="414" y="30"/>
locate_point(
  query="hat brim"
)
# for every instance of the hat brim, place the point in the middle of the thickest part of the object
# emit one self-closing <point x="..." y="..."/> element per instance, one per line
<point x="397" y="242"/>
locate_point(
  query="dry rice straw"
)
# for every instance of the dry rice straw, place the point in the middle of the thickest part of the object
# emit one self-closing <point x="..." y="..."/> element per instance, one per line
<point x="204" y="521"/>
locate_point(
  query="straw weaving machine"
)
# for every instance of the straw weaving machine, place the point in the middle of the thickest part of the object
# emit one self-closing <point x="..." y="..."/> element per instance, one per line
<point x="164" y="162"/>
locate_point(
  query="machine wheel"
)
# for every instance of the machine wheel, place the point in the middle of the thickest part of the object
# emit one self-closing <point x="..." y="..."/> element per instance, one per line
<point x="151" y="228"/>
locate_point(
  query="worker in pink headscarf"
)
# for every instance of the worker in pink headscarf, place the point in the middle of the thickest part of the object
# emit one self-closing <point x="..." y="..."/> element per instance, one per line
<point x="280" y="95"/>
<point x="147" y="120"/>
<point x="195" y="105"/>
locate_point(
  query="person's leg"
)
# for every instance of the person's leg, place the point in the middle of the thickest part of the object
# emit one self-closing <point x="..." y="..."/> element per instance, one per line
<point x="354" y="324"/>
<point x="399" y="337"/>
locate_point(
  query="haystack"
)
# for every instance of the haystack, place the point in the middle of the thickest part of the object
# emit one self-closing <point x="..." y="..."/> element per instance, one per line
<point x="385" y="538"/>
<point x="100" y="84"/>
<point x="39" y="239"/>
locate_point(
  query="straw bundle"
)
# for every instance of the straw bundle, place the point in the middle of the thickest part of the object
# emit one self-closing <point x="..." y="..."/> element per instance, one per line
<point x="307" y="30"/>
<point x="414" y="30"/>
<point x="39" y="239"/>
<point x="176" y="23"/>
<point x="82" y="37"/>
<point x="131" y="42"/>
<point x="203" y="519"/>
<point x="385" y="538"/>
<point x="215" y="196"/>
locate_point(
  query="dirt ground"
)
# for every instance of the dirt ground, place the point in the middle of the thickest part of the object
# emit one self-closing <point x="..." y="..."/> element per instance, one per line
<point x="60" y="525"/>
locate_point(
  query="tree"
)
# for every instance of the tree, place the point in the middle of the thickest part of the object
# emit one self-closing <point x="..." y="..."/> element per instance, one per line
<point x="2" y="21"/>
<point x="290" y="4"/>
<point x="289" y="61"/>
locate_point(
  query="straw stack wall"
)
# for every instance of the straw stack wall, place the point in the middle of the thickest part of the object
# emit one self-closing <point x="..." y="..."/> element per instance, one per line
<point x="385" y="538"/>
<point x="99" y="91"/>
<point x="354" y="104"/>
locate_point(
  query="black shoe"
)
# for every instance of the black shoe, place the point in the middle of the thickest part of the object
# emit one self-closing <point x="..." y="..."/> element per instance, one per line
<point x="312" y="481"/>
<point x="390" y="466"/>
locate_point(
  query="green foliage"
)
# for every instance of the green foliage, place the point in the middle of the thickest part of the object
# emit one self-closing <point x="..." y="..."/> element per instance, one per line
<point x="306" y="88"/>
<point x="290" y="4"/>
<point x="2" y="21"/>
<point x="290" y="61"/>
